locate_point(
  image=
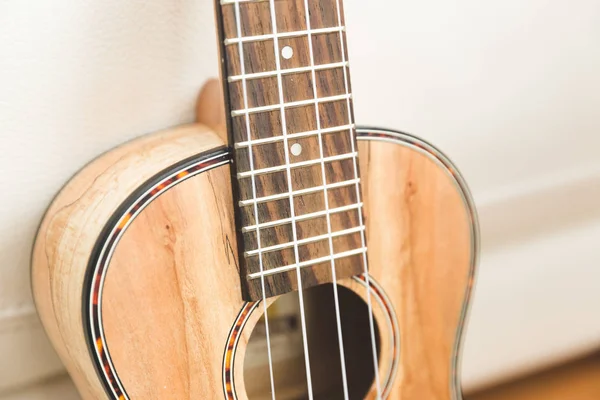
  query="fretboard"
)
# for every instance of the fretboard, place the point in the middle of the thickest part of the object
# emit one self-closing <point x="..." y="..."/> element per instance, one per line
<point x="296" y="180"/>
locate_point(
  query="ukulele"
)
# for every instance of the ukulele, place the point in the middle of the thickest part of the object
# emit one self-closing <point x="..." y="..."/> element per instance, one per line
<point x="299" y="258"/>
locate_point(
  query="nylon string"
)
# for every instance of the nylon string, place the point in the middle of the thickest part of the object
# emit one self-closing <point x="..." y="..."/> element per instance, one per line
<point x="260" y="261"/>
<point x="366" y="269"/>
<point x="291" y="197"/>
<point x="327" y="213"/>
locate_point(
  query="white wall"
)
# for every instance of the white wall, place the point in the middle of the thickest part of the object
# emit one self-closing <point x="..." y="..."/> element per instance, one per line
<point x="509" y="89"/>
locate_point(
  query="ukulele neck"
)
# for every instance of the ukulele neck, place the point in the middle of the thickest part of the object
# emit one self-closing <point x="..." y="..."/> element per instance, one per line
<point x="290" y="119"/>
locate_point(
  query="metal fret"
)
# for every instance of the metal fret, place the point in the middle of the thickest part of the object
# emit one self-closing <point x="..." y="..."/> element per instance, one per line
<point x="273" y="139"/>
<point x="237" y="113"/>
<point x="291" y="267"/>
<point x="288" y="71"/>
<point x="304" y="217"/>
<point x="282" y="35"/>
<point x="300" y="192"/>
<point x="300" y="242"/>
<point x="299" y="164"/>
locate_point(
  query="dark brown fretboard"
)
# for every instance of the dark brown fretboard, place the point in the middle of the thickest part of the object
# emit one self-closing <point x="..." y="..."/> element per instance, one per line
<point x="291" y="125"/>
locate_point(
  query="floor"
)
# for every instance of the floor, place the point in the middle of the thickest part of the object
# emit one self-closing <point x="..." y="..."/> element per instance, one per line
<point x="579" y="380"/>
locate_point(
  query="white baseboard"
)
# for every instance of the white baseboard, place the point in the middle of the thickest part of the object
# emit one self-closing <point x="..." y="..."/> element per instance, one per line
<point x="527" y="209"/>
<point x="27" y="355"/>
<point x="59" y="388"/>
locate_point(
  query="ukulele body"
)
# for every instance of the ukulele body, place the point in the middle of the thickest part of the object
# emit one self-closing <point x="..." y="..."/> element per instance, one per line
<point x="135" y="270"/>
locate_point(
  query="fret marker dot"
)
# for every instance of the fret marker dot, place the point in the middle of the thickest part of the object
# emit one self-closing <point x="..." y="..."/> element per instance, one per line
<point x="287" y="52"/>
<point x="296" y="149"/>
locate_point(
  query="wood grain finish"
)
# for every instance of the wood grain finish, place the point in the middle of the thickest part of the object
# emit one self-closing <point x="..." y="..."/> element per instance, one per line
<point x="262" y="94"/>
<point x="72" y="225"/>
<point x="172" y="290"/>
<point x="423" y="241"/>
<point x="175" y="268"/>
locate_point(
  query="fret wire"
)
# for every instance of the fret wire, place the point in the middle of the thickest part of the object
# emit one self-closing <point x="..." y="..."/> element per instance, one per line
<point x="288" y="71"/>
<point x="358" y="197"/>
<point x="298" y="164"/>
<point x="282" y="106"/>
<point x="273" y="139"/>
<point x="314" y="189"/>
<point x="282" y="35"/>
<point x="258" y="243"/>
<point x="300" y="242"/>
<point x="303" y="264"/>
<point x="303" y="217"/>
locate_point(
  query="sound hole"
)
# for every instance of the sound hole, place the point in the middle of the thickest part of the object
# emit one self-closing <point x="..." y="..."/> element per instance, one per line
<point x="287" y="350"/>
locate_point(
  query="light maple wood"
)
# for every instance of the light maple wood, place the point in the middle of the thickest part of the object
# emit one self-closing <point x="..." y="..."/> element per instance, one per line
<point x="73" y="223"/>
<point x="173" y="290"/>
<point x="210" y="108"/>
<point x="420" y="238"/>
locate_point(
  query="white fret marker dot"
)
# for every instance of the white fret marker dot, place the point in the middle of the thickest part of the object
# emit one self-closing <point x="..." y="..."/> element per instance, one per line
<point x="287" y="52"/>
<point x="296" y="149"/>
